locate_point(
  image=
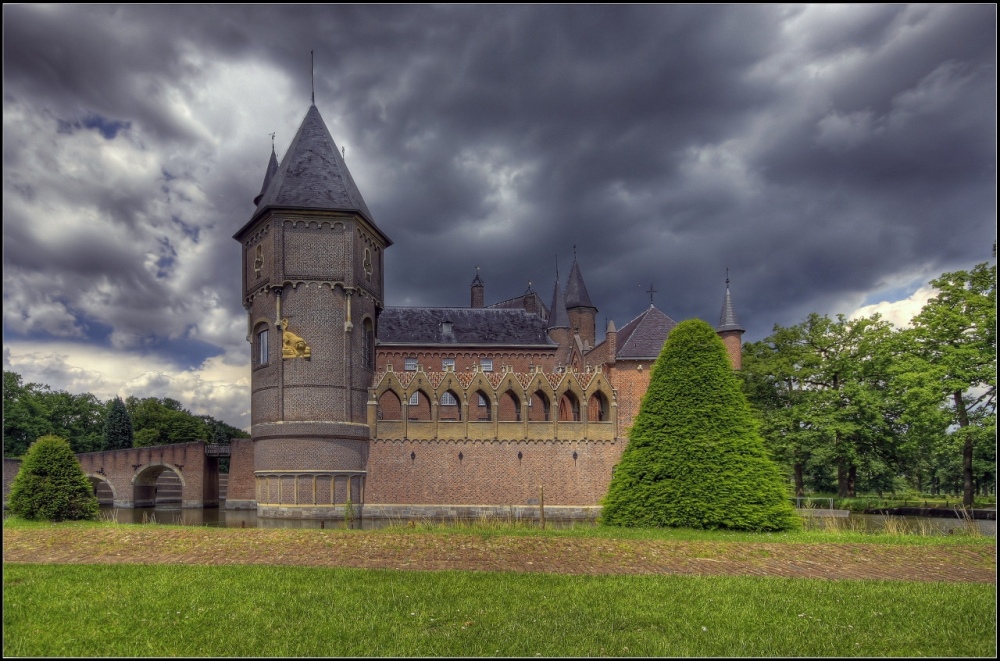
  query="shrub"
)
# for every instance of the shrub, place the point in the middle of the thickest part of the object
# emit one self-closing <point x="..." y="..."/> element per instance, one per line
<point x="51" y="485"/>
<point x="695" y="457"/>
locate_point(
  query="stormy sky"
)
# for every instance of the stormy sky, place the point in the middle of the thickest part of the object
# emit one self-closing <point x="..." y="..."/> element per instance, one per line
<point x="833" y="158"/>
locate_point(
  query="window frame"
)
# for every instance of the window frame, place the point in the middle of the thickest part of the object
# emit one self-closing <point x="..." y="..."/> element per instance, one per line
<point x="263" y="347"/>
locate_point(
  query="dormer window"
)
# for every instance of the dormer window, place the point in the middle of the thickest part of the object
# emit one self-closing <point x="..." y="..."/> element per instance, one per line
<point x="447" y="327"/>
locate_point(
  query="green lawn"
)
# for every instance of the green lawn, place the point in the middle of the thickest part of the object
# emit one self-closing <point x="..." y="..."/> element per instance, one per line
<point x="160" y="610"/>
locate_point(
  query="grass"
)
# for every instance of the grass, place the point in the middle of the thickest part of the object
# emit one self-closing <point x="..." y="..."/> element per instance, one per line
<point x="158" y="610"/>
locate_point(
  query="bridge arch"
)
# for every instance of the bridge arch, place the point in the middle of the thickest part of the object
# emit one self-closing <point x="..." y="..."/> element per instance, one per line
<point x="97" y="480"/>
<point x="144" y="483"/>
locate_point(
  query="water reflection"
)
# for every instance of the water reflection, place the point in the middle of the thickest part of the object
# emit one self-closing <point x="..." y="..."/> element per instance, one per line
<point x="174" y="515"/>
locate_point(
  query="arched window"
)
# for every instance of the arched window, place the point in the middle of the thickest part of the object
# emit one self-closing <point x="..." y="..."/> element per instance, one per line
<point x="449" y="408"/>
<point x="389" y="407"/>
<point x="510" y="407"/>
<point x="597" y="408"/>
<point x="569" y="408"/>
<point x="369" y="344"/>
<point x="484" y="410"/>
<point x="419" y="407"/>
<point x="539" y="407"/>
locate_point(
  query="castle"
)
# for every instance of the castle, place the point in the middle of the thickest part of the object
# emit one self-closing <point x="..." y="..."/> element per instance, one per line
<point x="418" y="411"/>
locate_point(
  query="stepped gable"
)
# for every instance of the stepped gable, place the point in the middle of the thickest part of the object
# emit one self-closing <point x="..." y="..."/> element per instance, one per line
<point x="643" y="337"/>
<point x="313" y="175"/>
<point x="469" y="326"/>
<point x="576" y="290"/>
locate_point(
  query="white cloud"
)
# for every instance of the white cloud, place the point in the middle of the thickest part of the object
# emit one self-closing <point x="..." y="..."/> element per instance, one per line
<point x="900" y="312"/>
<point x="219" y="387"/>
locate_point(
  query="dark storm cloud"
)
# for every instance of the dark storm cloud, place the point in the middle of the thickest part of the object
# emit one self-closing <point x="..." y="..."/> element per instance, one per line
<point x="822" y="153"/>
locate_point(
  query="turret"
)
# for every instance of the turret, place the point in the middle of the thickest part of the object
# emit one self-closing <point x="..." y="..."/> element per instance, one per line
<point x="312" y="288"/>
<point x="559" y="325"/>
<point x="478" y="291"/>
<point x="730" y="331"/>
<point x="582" y="313"/>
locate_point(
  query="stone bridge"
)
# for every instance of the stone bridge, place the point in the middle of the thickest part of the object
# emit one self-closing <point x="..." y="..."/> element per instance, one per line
<point x="131" y="474"/>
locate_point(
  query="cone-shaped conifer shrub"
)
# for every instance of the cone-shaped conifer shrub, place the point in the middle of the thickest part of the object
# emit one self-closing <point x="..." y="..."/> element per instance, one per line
<point x="695" y="457"/>
<point x="51" y="485"/>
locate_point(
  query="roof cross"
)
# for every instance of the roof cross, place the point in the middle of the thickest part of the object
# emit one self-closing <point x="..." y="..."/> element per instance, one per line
<point x="650" y="291"/>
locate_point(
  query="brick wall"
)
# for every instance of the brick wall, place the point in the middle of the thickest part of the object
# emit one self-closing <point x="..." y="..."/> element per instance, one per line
<point x="630" y="379"/>
<point x="489" y="473"/>
<point x="240" y="490"/>
<point x="10" y="469"/>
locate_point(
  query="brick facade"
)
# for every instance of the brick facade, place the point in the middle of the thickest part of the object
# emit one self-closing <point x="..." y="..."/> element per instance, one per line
<point x="441" y="413"/>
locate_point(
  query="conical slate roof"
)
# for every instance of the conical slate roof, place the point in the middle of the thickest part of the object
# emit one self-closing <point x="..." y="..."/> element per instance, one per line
<point x="313" y="175"/>
<point x="272" y="167"/>
<point x="558" y="318"/>
<point x="576" y="290"/>
<point x="643" y="337"/>
<point x="727" y="320"/>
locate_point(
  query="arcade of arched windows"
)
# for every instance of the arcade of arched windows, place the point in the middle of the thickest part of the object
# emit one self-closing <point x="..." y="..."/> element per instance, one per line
<point x="510" y="410"/>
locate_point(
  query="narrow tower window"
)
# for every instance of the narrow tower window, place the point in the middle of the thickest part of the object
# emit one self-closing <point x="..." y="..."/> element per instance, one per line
<point x="262" y="347"/>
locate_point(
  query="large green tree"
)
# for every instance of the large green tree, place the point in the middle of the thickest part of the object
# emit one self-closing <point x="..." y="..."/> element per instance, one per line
<point x="33" y="410"/>
<point x="51" y="485"/>
<point x="695" y="457"/>
<point x="822" y="389"/>
<point x="954" y="342"/>
<point x="118" y="433"/>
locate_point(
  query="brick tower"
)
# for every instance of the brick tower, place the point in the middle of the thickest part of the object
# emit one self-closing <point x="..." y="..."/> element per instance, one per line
<point x="312" y="288"/>
<point x="730" y="331"/>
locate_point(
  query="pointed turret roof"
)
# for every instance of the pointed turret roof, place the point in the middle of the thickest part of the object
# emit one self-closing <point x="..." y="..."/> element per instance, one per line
<point x="643" y="337"/>
<point x="272" y="167"/>
<point x="477" y="281"/>
<point x="576" y="290"/>
<point x="727" y="320"/>
<point x="558" y="318"/>
<point x="313" y="175"/>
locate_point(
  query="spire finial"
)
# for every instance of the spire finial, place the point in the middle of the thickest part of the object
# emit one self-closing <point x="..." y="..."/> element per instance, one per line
<point x="727" y="277"/>
<point x="557" y="267"/>
<point x="312" y="75"/>
<point x="574" y="252"/>
<point x="343" y="152"/>
<point x="651" y="291"/>
<point x="272" y="141"/>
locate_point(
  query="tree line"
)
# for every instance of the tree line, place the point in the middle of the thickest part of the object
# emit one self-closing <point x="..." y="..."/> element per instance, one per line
<point x="33" y="410"/>
<point x="852" y="405"/>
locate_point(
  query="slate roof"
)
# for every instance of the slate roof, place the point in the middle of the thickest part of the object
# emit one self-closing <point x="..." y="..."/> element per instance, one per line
<point x="643" y="337"/>
<point x="272" y="167"/>
<point x="727" y="319"/>
<point x="312" y="174"/>
<point x="576" y="290"/>
<point x="470" y="326"/>
<point x="558" y="318"/>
